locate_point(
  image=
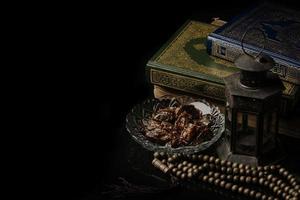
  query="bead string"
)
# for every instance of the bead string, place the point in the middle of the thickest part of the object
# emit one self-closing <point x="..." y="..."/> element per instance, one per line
<point x="239" y="178"/>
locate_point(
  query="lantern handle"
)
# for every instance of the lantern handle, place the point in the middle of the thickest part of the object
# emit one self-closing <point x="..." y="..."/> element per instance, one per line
<point x="243" y="37"/>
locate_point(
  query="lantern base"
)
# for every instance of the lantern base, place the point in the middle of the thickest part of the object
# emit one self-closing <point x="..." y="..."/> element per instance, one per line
<point x="247" y="160"/>
<point x="273" y="156"/>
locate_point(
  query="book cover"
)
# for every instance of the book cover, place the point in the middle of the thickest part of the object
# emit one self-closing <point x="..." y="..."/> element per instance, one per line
<point x="281" y="27"/>
<point x="183" y="64"/>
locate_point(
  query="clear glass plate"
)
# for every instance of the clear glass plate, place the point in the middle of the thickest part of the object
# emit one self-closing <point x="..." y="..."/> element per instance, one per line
<point x="134" y="124"/>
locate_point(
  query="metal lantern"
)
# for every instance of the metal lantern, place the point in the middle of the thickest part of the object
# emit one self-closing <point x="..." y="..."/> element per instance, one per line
<point x="252" y="110"/>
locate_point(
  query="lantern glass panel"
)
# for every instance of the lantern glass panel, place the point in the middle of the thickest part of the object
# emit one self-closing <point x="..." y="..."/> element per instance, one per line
<point x="246" y="133"/>
<point x="228" y="115"/>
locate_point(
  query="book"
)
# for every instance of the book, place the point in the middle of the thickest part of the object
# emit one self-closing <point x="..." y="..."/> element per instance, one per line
<point x="287" y="126"/>
<point x="281" y="28"/>
<point x="183" y="64"/>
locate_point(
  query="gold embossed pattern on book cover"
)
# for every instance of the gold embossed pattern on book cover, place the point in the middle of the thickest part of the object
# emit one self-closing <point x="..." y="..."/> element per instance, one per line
<point x="188" y="51"/>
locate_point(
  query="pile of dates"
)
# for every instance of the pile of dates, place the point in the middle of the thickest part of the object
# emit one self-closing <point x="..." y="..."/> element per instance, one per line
<point x="177" y="125"/>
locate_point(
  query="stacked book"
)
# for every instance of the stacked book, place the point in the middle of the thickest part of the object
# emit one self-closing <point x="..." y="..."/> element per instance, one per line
<point x="198" y="56"/>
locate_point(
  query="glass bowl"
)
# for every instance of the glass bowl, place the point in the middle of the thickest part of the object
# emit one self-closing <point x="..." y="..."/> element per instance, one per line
<point x="134" y="124"/>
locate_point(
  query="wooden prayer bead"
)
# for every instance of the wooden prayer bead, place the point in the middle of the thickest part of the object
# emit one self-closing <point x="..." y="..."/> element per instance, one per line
<point x="266" y="183"/>
<point x="185" y="168"/>
<point x="223" y="169"/>
<point x="248" y="172"/>
<point x="205" y="178"/>
<point x="212" y="159"/>
<point x="156" y="155"/>
<point x="195" y="166"/>
<point x="162" y="154"/>
<point x="205" y="158"/>
<point x="275" y="189"/>
<point x="274" y="179"/>
<point x="259" y="168"/>
<point x="228" y="164"/>
<point x="183" y="176"/>
<point x="229" y="177"/>
<point x="242" y="179"/>
<point x="254" y="173"/>
<point x="217" y="182"/>
<point x="246" y="191"/>
<point x="222" y="176"/>
<point x="240" y="189"/>
<point x="254" y="180"/>
<point x="288" y="197"/>
<point x="184" y="163"/>
<point x="235" y="178"/>
<point x="266" y="168"/>
<point x="251" y="193"/>
<point x="195" y="171"/>
<point x="235" y="170"/>
<point x="228" y="186"/>
<point x="171" y="166"/>
<point x="283" y="194"/>
<point x="264" y="197"/>
<point x="241" y="166"/>
<point x="285" y="173"/>
<point x="223" y="163"/>
<point x="292" y="180"/>
<point x="248" y="179"/>
<point x="282" y="185"/>
<point x="178" y="173"/>
<point x="170" y="159"/>
<point x="200" y="157"/>
<point x="234" y="165"/>
<point x="278" y="192"/>
<point x="217" y="161"/>
<point x="175" y="157"/>
<point x="205" y="165"/>
<point x="242" y="171"/>
<point x="281" y="170"/>
<point x="229" y="170"/>
<point x="234" y="188"/>
<point x="194" y="157"/>
<point x="210" y="179"/>
<point x="260" y="174"/>
<point x="286" y="189"/>
<point x="258" y="195"/>
<point x="211" y="166"/>
<point x="261" y="181"/>
<point x="180" y="166"/>
<point x="269" y="177"/>
<point x="222" y="184"/>
<point x="294" y="184"/>
<point x="278" y="182"/>
<point x="216" y="174"/>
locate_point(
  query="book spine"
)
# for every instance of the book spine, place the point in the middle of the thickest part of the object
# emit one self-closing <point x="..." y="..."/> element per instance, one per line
<point x="187" y="84"/>
<point x="229" y="51"/>
<point x="199" y="87"/>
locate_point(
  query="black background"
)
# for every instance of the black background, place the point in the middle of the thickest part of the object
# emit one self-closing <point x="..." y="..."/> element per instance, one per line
<point x="108" y="46"/>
